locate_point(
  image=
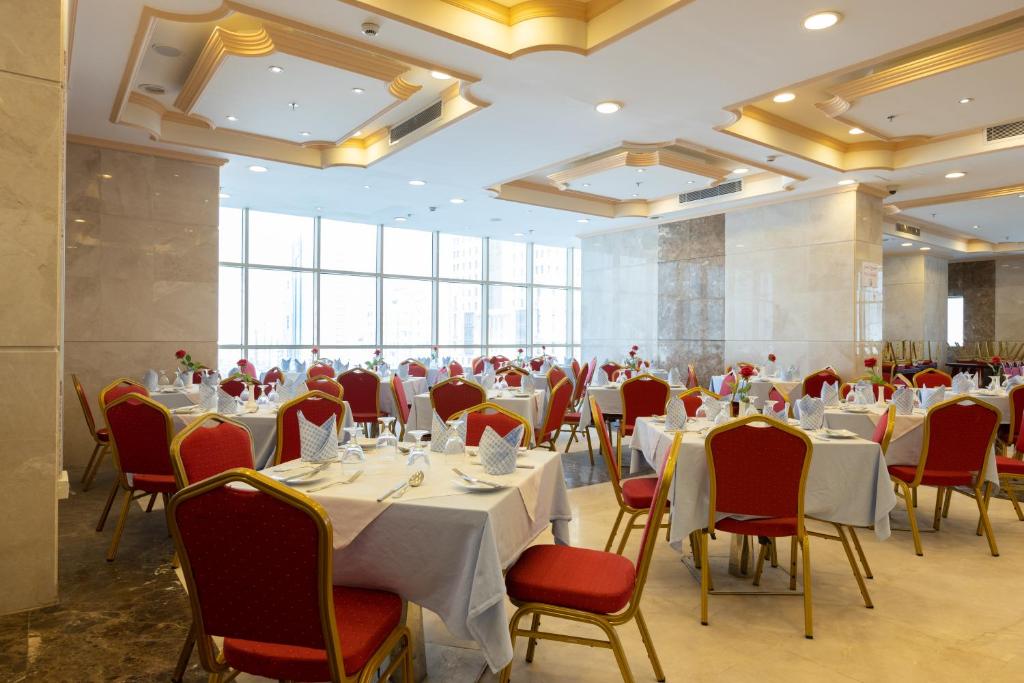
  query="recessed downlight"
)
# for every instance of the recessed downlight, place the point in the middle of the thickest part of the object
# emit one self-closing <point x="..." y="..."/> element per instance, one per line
<point x="822" y="20"/>
<point x="639" y="170"/>
<point x="224" y="195"/>
<point x="293" y="105"/>
<point x="856" y="131"/>
<point x="275" y="69"/>
<point x="582" y="220"/>
<point x="166" y="50"/>
<point x="106" y="176"/>
<point x="955" y="174"/>
<point x="907" y="244"/>
<point x="440" y="75"/>
<point x="741" y="171"/>
<point x="305" y="133"/>
<point x="975" y="227"/>
<point x="357" y="91"/>
<point x="926" y="248"/>
<point x="231" y="117"/>
<point x="634" y="195"/>
<point x="79" y="220"/>
<point x="966" y="100"/>
<point x="784" y="97"/>
<point x="457" y="200"/>
<point x="519" y="234"/>
<point x="152" y="88"/>
<point x="588" y="185"/>
<point x="256" y="168"/>
<point x="847" y="181"/>
<point x="400" y="219"/>
<point x="366" y="187"/>
<point x="608" y="107"/>
<point x="417" y="183"/>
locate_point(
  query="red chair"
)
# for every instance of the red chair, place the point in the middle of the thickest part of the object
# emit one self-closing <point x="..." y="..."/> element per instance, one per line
<point x="554" y="417"/>
<point x="575" y="365"/>
<point x="320" y="368"/>
<point x="497" y="418"/>
<point x="691" y="377"/>
<point x="235" y="387"/>
<point x="455" y="369"/>
<point x="536" y="363"/>
<point x="1011" y="470"/>
<point x="758" y="471"/>
<point x="887" y="390"/>
<point x="901" y="380"/>
<point x="591" y="369"/>
<point x="884" y="429"/>
<point x="573" y="415"/>
<point x="930" y="377"/>
<point x="416" y="368"/>
<point x="208" y="446"/>
<point x="327" y="385"/>
<point x="140" y="435"/>
<point x="610" y="368"/>
<point x="1016" y="400"/>
<point x="621" y="375"/>
<point x="274" y="374"/>
<point x="362" y="391"/>
<point x="230" y="539"/>
<point x="812" y="383"/>
<point x="512" y="375"/>
<point x="478" y="365"/>
<point x="693" y="399"/>
<point x="588" y="586"/>
<point x="454" y="396"/>
<point x="402" y="409"/>
<point x="555" y="375"/>
<point x="118" y="388"/>
<point x="100" y="437"/>
<point x="642" y="396"/>
<point x="958" y="435"/>
<point x="317" y="407"/>
<point x="497" y="361"/>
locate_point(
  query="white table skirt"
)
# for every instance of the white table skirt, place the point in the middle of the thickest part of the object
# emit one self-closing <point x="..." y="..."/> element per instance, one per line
<point x="847" y="483"/>
<point x="530" y="408"/>
<point x="176" y="398"/>
<point x="448" y="553"/>
<point x="609" y="400"/>
<point x="412" y="386"/>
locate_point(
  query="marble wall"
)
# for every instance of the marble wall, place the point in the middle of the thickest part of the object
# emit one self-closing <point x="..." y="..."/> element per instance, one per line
<point x="975" y="281"/>
<point x="1009" y="298"/>
<point x="916" y="292"/>
<point x="32" y="106"/>
<point x="691" y="295"/>
<point x="141" y="271"/>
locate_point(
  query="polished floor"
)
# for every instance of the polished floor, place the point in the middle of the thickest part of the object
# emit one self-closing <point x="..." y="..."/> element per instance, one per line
<point x="953" y="615"/>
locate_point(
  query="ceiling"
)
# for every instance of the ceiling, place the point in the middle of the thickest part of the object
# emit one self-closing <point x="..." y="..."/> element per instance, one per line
<point x="685" y="73"/>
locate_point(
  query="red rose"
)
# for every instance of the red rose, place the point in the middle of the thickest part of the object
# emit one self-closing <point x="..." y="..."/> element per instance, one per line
<point x="315" y="349"/>
<point x="635" y="348"/>
<point x="996" y="360"/>
<point x="180" y="353"/>
<point x="376" y="352"/>
<point x="632" y="353"/>
<point x="519" y="350"/>
<point x="771" y="357"/>
<point x="746" y="372"/>
<point x="242" y="363"/>
<point x="870" y="362"/>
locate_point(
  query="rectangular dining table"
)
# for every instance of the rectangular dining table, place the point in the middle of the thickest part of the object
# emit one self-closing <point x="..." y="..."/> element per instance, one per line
<point x="609" y="400"/>
<point x="529" y="406"/>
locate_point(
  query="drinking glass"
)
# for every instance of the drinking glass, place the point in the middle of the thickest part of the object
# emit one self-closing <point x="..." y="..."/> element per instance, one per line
<point x="353" y="451"/>
<point x="264" y="398"/>
<point x="454" y="446"/>
<point x="387" y="442"/>
<point x="418" y="452"/>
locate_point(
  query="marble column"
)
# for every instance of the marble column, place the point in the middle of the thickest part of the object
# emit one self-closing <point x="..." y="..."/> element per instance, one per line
<point x="916" y="293"/>
<point x="32" y="106"/>
<point x="1009" y="299"/>
<point x="975" y="281"/>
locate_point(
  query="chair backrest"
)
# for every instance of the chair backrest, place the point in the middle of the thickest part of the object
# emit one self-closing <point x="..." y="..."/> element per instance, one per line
<point x="591" y="369"/>
<point x="118" y="388"/>
<point x="512" y="375"/>
<point x="899" y="380"/>
<point x="230" y="539"/>
<point x="362" y="389"/>
<point x="659" y="501"/>
<point x="694" y="399"/>
<point x="232" y="387"/>
<point x="813" y="382"/>
<point x="610" y="367"/>
<point x="498" y="361"/>
<point x="643" y="396"/>
<point x="558" y="405"/>
<point x="883" y="430"/>
<point x="958" y="434"/>
<point x="575" y="365"/>
<point x="400" y="400"/>
<point x="930" y="377"/>
<point x="210" y="445"/>
<point x="455" y="395"/>
<point x="845" y="390"/>
<point x="494" y="416"/>
<point x="580" y="387"/>
<point x="1016" y="409"/>
<point x="757" y="466"/>
<point x="536" y="363"/>
<point x="140" y="433"/>
<point x="326" y="384"/>
<point x="317" y="407"/>
<point x="556" y="375"/>
<point x="274" y="374"/>
<point x="478" y="365"/>
<point x="83" y="400"/>
<point x="691" y="377"/>
<point x="455" y="369"/>
<point x="320" y="369"/>
<point x="416" y="368"/>
<point x="620" y="375"/>
<point x="607" y="450"/>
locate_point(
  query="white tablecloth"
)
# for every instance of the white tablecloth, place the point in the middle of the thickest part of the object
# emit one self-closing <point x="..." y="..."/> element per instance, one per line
<point x="175" y="398"/>
<point x="609" y="400"/>
<point x="761" y="387"/>
<point x="446" y="551"/>
<point x="847" y="483"/>
<point x="412" y="386"/>
<point x="531" y="407"/>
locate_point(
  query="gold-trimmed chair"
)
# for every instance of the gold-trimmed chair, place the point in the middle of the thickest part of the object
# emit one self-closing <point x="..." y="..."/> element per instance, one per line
<point x="554" y="415"/>
<point x="317" y="407"/>
<point x="930" y="377"/>
<point x="642" y="396"/>
<point x="100" y="436"/>
<point x="492" y="415"/>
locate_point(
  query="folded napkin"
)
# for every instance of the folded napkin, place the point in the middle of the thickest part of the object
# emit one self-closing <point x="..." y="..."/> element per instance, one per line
<point x="931" y="397"/>
<point x="769" y="410"/>
<point x="487" y="381"/>
<point x="673" y="376"/>
<point x="1013" y="381"/>
<point x="441" y="432"/>
<point x="317" y="443"/>
<point x="812" y="412"/>
<point x="208" y="398"/>
<point x="226" y="403"/>
<point x="864" y="393"/>
<point x="791" y="373"/>
<point x="675" y="414"/>
<point x="300" y="367"/>
<point x="498" y="453"/>
<point x="151" y="380"/>
<point x="526" y="383"/>
<point x="830" y="394"/>
<point x="962" y="383"/>
<point x="711" y="406"/>
<point x="722" y="417"/>
<point x="903" y="399"/>
<point x="601" y="379"/>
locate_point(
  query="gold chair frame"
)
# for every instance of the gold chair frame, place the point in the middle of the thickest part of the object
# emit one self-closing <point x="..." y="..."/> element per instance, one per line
<point x="830" y="370"/>
<point x="330" y="381"/>
<point x="480" y="407"/>
<point x="625" y="413"/>
<point x="930" y="371"/>
<point x="456" y="380"/>
<point x="319" y="362"/>
<point x="116" y="382"/>
<point x="376" y="393"/>
<point x="398" y="413"/>
<point x="101" y="448"/>
<point x="547" y="414"/>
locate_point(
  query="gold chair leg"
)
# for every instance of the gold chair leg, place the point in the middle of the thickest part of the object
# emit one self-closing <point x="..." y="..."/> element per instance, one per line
<point x="805" y="546"/>
<point x="90" y="469"/>
<point x="626" y="532"/>
<point x="945" y="505"/>
<point x="110" y="503"/>
<point x="760" y="564"/>
<point x="705" y="576"/>
<point x="912" y="516"/>
<point x="774" y="550"/>
<point x="531" y="644"/>
<point x="792" y="563"/>
<point x="982" y="501"/>
<point x="860" y="553"/>
<point x="112" y="552"/>
<point x="853" y="566"/>
<point x="615" y="530"/>
<point x="1014" y="501"/>
<point x="620" y="654"/>
<point x="184" y="655"/>
<point x="513" y="626"/>
<point x="572" y="435"/>
<point x="645" y="634"/>
<point x="939" y="498"/>
<point x="590" y="445"/>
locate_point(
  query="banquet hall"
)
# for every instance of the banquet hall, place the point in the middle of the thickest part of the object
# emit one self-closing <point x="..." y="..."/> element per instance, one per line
<point x="529" y="340"/>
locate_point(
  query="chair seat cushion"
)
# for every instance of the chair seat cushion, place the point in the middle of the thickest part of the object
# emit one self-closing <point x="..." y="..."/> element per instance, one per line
<point x="154" y="483"/>
<point x="772" y="527"/>
<point x="365" y="620"/>
<point x="932" y="477"/>
<point x="366" y="417"/>
<point x="638" y="492"/>
<point x="577" y="578"/>
<point x="103" y="435"/>
<point x="1009" y="466"/>
<point x="571" y="418"/>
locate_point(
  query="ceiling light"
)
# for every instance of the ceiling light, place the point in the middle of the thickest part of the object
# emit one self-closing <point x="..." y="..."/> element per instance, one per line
<point x="106" y="176"/>
<point x="79" y="220"/>
<point x="224" y="195"/>
<point x="400" y="219"/>
<point x="975" y="227"/>
<point x="966" y="100"/>
<point x="256" y="168"/>
<point x="784" y="97"/>
<point x="955" y="174"/>
<point x="293" y="105"/>
<point x="231" y="117"/>
<point x="305" y="133"/>
<point x="275" y="69"/>
<point x="635" y="194"/>
<point x="518" y="234"/>
<point x="366" y="187"/>
<point x="639" y="170"/>
<point x="457" y="200"/>
<point x="822" y="20"/>
<point x="740" y="246"/>
<point x="588" y="185"/>
<point x="417" y="183"/>
<point x="582" y="220"/>
<point x="926" y="248"/>
<point x="690" y="182"/>
<point x="741" y="171"/>
<point x="357" y="91"/>
<point x="440" y="75"/>
<point x="907" y="244"/>
<point x="357" y="133"/>
<point x="608" y="107"/>
<point x="847" y="181"/>
<point x="856" y="131"/>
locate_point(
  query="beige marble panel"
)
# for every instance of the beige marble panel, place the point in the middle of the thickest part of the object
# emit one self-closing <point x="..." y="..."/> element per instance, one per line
<point x="818" y="220"/>
<point x="1009" y="305"/>
<point x="915" y="299"/>
<point x="31" y="42"/>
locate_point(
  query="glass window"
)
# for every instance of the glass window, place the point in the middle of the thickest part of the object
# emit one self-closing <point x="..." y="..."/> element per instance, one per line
<point x="577" y="316"/>
<point x="507" y="261"/>
<point x="280" y="308"/>
<point x="577" y="267"/>
<point x="550" y="312"/>
<point x="230" y="232"/>
<point x="227" y="360"/>
<point x="393" y="356"/>
<point x="277" y="239"/>
<point x="264" y="359"/>
<point x="459" y="256"/>
<point x="353" y="356"/>
<point x="458" y="314"/>
<point x="464" y="356"/>
<point x="549" y="265"/>
<point x="408" y="252"/>
<point x="230" y="305"/>
<point x="348" y="246"/>
<point x="506" y="315"/>
<point x="407" y="313"/>
<point x="348" y="310"/>
<point x="955" y="321"/>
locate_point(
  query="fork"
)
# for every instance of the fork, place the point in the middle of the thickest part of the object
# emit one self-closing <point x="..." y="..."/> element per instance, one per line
<point x="336" y="483"/>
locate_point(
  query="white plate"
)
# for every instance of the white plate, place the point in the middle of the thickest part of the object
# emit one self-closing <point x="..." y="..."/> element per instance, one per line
<point x="296" y="471"/>
<point x="854" y="408"/>
<point x="166" y="390"/>
<point x="475" y="488"/>
<point x="658" y="418"/>
<point x="840" y="434"/>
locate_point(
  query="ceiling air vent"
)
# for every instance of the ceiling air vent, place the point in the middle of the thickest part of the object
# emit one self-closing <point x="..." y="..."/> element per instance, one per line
<point x="908" y="229"/>
<point x="1005" y="130"/>
<point x="716" y="191"/>
<point x="413" y="123"/>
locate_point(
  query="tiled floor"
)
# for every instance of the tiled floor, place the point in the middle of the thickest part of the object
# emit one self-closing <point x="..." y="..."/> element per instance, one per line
<point x="953" y="615"/>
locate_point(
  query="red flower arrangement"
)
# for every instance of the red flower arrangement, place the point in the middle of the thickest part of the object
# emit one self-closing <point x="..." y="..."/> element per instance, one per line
<point x="747" y="371"/>
<point x="871" y="364"/>
<point x="316" y="352"/>
<point x="771" y="357"/>
<point x="242" y="362"/>
<point x="180" y="353"/>
<point x="996" y="360"/>
<point x="186" y="361"/>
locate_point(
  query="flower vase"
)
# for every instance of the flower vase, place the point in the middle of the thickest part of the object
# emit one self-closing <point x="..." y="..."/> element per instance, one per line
<point x="250" y="401"/>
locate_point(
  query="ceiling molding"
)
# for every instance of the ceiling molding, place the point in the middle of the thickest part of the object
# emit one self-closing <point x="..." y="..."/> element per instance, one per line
<point x="578" y="10"/>
<point x="989" y="193"/>
<point x="145" y="149"/>
<point x="638" y="159"/>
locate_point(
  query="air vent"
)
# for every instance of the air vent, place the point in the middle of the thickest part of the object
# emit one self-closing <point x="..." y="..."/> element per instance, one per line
<point x="414" y="123"/>
<point x="716" y="191"/>
<point x="908" y="229"/>
<point x="1005" y="130"/>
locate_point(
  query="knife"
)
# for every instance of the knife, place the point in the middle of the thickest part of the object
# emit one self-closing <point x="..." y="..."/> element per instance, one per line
<point x="306" y="475"/>
<point x="474" y="480"/>
<point x="392" y="491"/>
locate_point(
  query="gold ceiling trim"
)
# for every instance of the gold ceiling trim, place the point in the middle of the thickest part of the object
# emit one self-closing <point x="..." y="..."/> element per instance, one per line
<point x="990" y="193"/>
<point x="638" y="159"/>
<point x="145" y="149"/>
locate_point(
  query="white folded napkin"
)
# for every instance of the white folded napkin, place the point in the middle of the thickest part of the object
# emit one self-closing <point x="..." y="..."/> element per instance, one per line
<point x="440" y="432"/>
<point x="864" y="393"/>
<point x="403" y="371"/>
<point x="226" y="403"/>
<point x="903" y="399"/>
<point x="673" y="376"/>
<point x="711" y="406"/>
<point x="151" y="380"/>
<point x="962" y="383"/>
<point x="675" y="414"/>
<point x="830" y="394"/>
<point x="317" y="443"/>
<point x="811" y="411"/>
<point x="769" y="410"/>
<point x="498" y="453"/>
<point x="602" y="378"/>
<point x="931" y="397"/>
<point x="208" y="398"/>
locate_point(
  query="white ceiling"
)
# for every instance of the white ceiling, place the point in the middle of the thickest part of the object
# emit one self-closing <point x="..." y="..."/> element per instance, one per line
<point x="674" y="76"/>
<point x="999" y="219"/>
<point x="655" y="182"/>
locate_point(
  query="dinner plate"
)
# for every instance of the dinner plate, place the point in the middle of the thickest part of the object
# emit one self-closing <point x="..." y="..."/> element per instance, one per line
<point x="521" y="394"/>
<point x="840" y="434"/>
<point x="166" y="390"/>
<point x="855" y="409"/>
<point x="297" y="471"/>
<point x="475" y="488"/>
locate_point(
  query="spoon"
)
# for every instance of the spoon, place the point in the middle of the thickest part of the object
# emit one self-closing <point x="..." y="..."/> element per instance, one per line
<point x="415" y="480"/>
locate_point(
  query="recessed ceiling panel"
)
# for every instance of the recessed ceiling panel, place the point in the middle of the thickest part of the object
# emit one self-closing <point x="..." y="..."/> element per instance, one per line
<point x="999" y="219"/>
<point x="654" y="182"/>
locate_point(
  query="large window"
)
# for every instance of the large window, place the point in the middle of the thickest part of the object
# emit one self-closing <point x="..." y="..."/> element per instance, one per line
<point x="955" y="321"/>
<point x="288" y="283"/>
